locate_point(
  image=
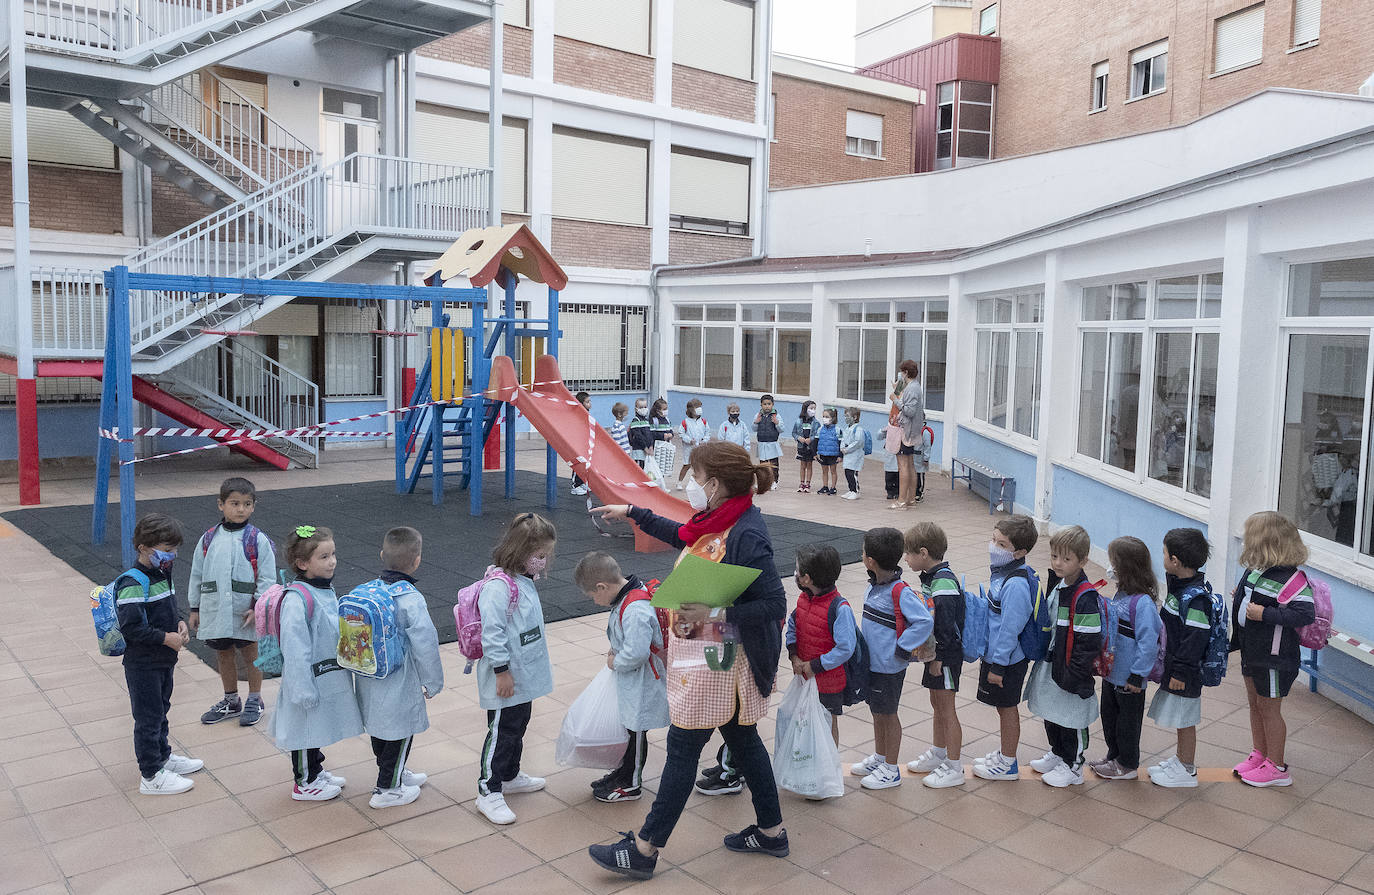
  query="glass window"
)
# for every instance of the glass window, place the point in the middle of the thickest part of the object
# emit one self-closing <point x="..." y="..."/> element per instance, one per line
<point x="758" y="313"/>
<point x="909" y="312"/>
<point x="756" y="360"/>
<point x="937" y="311"/>
<point x="847" y="379"/>
<point x="688" y="372"/>
<point x="1342" y="288"/>
<point x="720" y="312"/>
<point x="794" y="361"/>
<point x="877" y="311"/>
<point x="1100" y="75"/>
<point x="794" y="313"/>
<point x="876" y="376"/>
<point x="1148" y="68"/>
<point x="352" y="366"/>
<point x="1026" y="401"/>
<point x="933" y="370"/>
<point x="1176" y="298"/>
<point x="718" y="361"/>
<point x="944" y="126"/>
<point x="1211" y="295"/>
<point x="1110" y="387"/>
<point x="690" y="312"/>
<point x="987" y="20"/>
<point x="1008" y="357"/>
<point x="1092" y="394"/>
<point x="849" y="312"/>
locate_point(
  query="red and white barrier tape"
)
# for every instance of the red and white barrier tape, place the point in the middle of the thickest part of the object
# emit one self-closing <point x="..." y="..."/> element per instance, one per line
<point x="1351" y="641"/>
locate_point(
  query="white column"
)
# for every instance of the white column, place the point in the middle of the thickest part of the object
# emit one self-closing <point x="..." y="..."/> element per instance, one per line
<point x="825" y="357"/>
<point x="541" y="169"/>
<point x="662" y="49"/>
<point x="541" y="24"/>
<point x="660" y="187"/>
<point x="959" y="373"/>
<point x="494" y="114"/>
<point x="1057" y="363"/>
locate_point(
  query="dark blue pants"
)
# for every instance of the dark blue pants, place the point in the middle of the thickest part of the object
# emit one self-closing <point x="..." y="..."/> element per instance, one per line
<point x="748" y="757"/>
<point x="1123" y="715"/>
<point x="150" y="697"/>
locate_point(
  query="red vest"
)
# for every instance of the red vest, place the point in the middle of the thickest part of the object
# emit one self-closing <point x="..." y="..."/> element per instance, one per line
<point x="815" y="639"/>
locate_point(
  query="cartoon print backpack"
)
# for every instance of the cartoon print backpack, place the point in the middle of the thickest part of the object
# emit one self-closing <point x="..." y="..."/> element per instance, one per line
<point x="267" y="609"/>
<point x="468" y="617"/>
<point x="975" y="633"/>
<point x="926" y="651"/>
<point x="249" y="540"/>
<point x="856" y="667"/>
<point x="665" y="623"/>
<point x="370" y="641"/>
<point x="106" y="617"/>
<point x="1112" y="624"/>
<point x="1315" y="635"/>
<point x="1218" y="640"/>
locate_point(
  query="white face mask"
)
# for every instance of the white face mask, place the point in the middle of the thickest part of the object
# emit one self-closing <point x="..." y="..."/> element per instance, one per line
<point x="998" y="555"/>
<point x="696" y="495"/>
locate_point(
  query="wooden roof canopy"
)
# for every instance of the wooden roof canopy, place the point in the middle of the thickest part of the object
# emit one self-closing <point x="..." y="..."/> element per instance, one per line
<point x="484" y="253"/>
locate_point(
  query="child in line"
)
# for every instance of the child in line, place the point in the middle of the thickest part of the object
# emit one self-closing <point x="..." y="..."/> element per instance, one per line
<point x="514" y="669"/>
<point x="638" y="658"/>
<point x="828" y="451"/>
<point x="767" y="429"/>
<point x="695" y="430"/>
<point x="892" y="476"/>
<point x="925" y="544"/>
<point x="1265" y="631"/>
<point x="154" y="636"/>
<point x="896" y="623"/>
<point x="921" y="461"/>
<point x="393" y="707"/>
<point x="1002" y="672"/>
<point x="821" y="635"/>
<point x="1186" y="617"/>
<point x="804" y="432"/>
<point x="1135" y="647"/>
<point x="641" y="434"/>
<point x="316" y="705"/>
<point x="1061" y="688"/>
<point x="732" y="430"/>
<point x="619" y="431"/>
<point x="228" y="573"/>
<point x="579" y="487"/>
<point x="852" y="447"/>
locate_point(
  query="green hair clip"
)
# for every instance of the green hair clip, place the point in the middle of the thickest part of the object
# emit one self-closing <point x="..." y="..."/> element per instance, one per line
<point x="305" y="531"/>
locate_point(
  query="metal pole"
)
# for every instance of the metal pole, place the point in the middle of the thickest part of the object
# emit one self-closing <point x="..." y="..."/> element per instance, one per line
<point x="124" y="403"/>
<point x="509" y="314"/>
<point x="481" y="378"/>
<point x="436" y="419"/>
<point x="26" y="389"/>
<point x="104" y="448"/>
<point x="551" y="456"/>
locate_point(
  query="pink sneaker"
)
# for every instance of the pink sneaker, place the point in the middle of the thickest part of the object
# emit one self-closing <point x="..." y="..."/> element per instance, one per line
<point x="1267" y="774"/>
<point x="1252" y="761"/>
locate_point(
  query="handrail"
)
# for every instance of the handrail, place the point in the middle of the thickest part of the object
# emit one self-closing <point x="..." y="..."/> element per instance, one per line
<point x="273" y="394"/>
<point x="124" y="28"/>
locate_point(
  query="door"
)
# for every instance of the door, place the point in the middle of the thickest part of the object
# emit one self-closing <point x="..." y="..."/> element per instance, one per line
<point x="351" y="192"/>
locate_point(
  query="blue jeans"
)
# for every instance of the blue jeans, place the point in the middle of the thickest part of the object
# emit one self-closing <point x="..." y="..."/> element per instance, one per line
<point x="747" y="755"/>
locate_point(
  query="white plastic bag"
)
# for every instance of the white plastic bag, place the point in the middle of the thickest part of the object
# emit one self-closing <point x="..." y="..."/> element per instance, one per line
<point x="592" y="736"/>
<point x="652" y="470"/>
<point x="805" y="759"/>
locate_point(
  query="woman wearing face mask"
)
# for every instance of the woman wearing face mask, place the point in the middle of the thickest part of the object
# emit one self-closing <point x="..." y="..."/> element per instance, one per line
<point x="909" y="407"/>
<point x="727" y="527"/>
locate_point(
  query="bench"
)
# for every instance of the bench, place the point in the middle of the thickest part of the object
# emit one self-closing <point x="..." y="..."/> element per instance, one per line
<point x="1001" y="489"/>
<point x="1343" y="643"/>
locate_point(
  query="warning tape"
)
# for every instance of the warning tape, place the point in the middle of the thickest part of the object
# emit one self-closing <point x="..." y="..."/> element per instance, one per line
<point x="1351" y="641"/>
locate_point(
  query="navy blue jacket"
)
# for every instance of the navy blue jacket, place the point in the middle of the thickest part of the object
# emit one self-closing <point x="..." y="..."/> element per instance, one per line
<point x="761" y="609"/>
<point x="145" y="618"/>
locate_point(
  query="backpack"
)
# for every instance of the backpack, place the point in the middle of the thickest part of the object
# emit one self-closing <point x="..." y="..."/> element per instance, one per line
<point x="370" y="641"/>
<point x="665" y="622"/>
<point x="975" y="633"/>
<point x="468" y="617"/>
<point x="1315" y="635"/>
<point x="1111" y="622"/>
<point x="856" y="666"/>
<point x="926" y="651"/>
<point x="1218" y="641"/>
<point x="1102" y="662"/>
<point x="250" y="545"/>
<point x="106" y="616"/>
<point x="1034" y="638"/>
<point x="868" y="442"/>
<point x="267" y="609"/>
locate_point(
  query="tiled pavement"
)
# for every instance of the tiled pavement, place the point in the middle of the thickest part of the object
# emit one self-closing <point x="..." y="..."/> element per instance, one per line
<point x="71" y="818"/>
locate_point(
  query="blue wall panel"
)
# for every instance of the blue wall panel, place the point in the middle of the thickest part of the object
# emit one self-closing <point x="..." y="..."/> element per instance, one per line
<point x="1005" y="459"/>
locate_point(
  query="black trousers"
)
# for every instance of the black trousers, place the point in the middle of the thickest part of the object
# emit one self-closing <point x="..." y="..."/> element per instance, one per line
<point x="920" y="483"/>
<point x="1067" y="743"/>
<point x="851" y="478"/>
<point x="1123" y="714"/>
<point x="391" y="761"/>
<point x="503" y="747"/>
<point x="892" y="483"/>
<point x="150" y="697"/>
<point x="630" y="774"/>
<point x="306" y="765"/>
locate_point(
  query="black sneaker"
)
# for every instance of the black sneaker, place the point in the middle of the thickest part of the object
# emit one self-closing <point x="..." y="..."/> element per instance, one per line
<point x="750" y="839"/>
<point x="624" y="858"/>
<point x="228" y="707"/>
<point x="601" y="784"/>
<point x="719" y="784"/>
<point x="618" y="794"/>
<point x="252" y="711"/>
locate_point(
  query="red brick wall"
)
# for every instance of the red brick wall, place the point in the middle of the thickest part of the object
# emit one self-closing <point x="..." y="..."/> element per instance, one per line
<point x="79" y="200"/>
<point x="809" y="129"/>
<point x="704" y="91"/>
<point x="1045" y="93"/>
<point x="603" y="69"/>
<point x="472" y="47"/>
<point x="686" y="247"/>
<point x="593" y="244"/>
<point x="173" y="208"/>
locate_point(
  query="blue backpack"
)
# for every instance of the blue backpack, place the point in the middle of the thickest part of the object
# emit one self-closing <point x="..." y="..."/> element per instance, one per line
<point x="856" y="666"/>
<point x="868" y="442"/>
<point x="975" y="631"/>
<point x="106" y="616"/>
<point x="1034" y="638"/>
<point x="1218" y="639"/>
<point x="370" y="642"/>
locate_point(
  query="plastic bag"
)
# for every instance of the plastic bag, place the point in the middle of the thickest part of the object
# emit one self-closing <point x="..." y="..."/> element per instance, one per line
<point x="652" y="470"/>
<point x="592" y="735"/>
<point x="805" y="758"/>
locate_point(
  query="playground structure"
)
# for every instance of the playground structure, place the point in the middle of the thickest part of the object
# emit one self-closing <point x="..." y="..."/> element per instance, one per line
<point x="458" y="396"/>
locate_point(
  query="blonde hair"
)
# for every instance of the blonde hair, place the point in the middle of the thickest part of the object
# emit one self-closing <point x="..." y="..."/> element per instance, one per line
<point x="1074" y="539"/>
<point x="527" y="533"/>
<point x="928" y="535"/>
<point x="1271" y="539"/>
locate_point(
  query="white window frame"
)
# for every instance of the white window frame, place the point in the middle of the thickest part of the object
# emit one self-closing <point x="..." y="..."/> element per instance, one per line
<point x="983" y="28"/>
<point x="857" y="134"/>
<point x="1100" y="84"/>
<point x="1141" y="78"/>
<point x="1306" y="24"/>
<point x="1243" y="39"/>
<point x="933" y="320"/>
<point x="1013" y="329"/>
<point x="953" y="124"/>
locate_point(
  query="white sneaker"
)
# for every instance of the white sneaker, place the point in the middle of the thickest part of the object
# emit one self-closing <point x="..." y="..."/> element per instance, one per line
<point x="579" y="490"/>
<point x="180" y="764"/>
<point x="522" y="782"/>
<point x="1064" y="774"/>
<point x="1046" y="763"/>
<point x="851" y="495"/>
<point x="867" y="766"/>
<point x="926" y="762"/>
<point x="319" y="791"/>
<point x="679" y="486"/>
<point x="326" y="777"/>
<point x="1162" y="765"/>
<point x="493" y="806"/>
<point x="990" y="758"/>
<point x="884" y="776"/>
<point x="948" y="774"/>
<point x="164" y="783"/>
<point x="998" y="767"/>
<point x="393" y="798"/>
<point x="412" y="778"/>
<point x="1173" y="775"/>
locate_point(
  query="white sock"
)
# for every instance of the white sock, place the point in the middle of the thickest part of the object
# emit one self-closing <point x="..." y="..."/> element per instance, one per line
<point x="892" y="768"/>
<point x="938" y="752"/>
<point x="954" y="764"/>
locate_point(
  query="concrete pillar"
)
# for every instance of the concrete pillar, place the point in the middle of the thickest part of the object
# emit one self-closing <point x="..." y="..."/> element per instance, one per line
<point x="1058" y="360"/>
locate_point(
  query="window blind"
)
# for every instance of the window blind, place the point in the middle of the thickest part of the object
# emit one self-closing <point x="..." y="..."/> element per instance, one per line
<point x="600" y="177"/>
<point x="711" y="187"/>
<point x="1158" y="48"/>
<point x="619" y="24"/>
<point x="1239" y="38"/>
<point x="715" y="35"/>
<point x="864" y="125"/>
<point x="459" y="137"/>
<point x="1100" y="69"/>
<point x="1307" y="19"/>
<point x="58" y="138"/>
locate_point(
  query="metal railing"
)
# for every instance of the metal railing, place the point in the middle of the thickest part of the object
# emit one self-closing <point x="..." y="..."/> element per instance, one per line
<point x="123" y="27"/>
<point x="260" y="388"/>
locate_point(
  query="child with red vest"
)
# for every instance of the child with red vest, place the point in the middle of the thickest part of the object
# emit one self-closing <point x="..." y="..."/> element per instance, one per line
<point x="821" y="634"/>
<point x="637" y="656"/>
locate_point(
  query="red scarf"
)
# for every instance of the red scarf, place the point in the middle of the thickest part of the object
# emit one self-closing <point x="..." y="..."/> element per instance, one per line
<point x="713" y="521"/>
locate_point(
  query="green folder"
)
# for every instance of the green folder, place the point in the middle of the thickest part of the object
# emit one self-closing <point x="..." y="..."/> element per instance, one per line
<point x="697" y="580"/>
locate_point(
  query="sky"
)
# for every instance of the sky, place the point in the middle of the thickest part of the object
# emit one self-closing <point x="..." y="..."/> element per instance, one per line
<point x="815" y="29"/>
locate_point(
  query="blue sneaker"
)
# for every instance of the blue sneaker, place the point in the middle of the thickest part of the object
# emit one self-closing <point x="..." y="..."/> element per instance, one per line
<point x="624" y="858"/>
<point x="252" y="711"/>
<point x="998" y="767"/>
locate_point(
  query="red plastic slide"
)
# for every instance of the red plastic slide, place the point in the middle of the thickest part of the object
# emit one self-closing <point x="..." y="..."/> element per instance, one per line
<point x="610" y="473"/>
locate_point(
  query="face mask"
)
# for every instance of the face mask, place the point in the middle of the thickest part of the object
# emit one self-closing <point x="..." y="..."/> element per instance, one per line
<point x="734" y="417"/>
<point x="829" y="421"/>
<point x="535" y="566"/>
<point x="810" y="413"/>
<point x="696" y="495"/>
<point x="162" y="559"/>
<point x="696" y="414"/>
<point x="801" y="587"/>
<point x="999" y="556"/>
<point x="641" y="411"/>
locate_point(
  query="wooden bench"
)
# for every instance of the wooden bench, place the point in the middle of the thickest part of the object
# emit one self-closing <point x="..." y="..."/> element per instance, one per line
<point x="1001" y="489"/>
<point x="1343" y="643"/>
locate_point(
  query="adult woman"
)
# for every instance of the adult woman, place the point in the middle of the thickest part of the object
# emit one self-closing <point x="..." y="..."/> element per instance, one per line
<point x="909" y="411"/>
<point x="731" y="696"/>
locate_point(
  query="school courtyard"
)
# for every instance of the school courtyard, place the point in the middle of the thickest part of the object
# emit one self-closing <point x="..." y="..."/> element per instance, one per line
<point x="71" y="818"/>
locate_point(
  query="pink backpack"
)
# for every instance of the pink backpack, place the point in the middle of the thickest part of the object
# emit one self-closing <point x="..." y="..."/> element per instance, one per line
<point x="267" y="608"/>
<point x="468" y="618"/>
<point x="1315" y="635"/>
